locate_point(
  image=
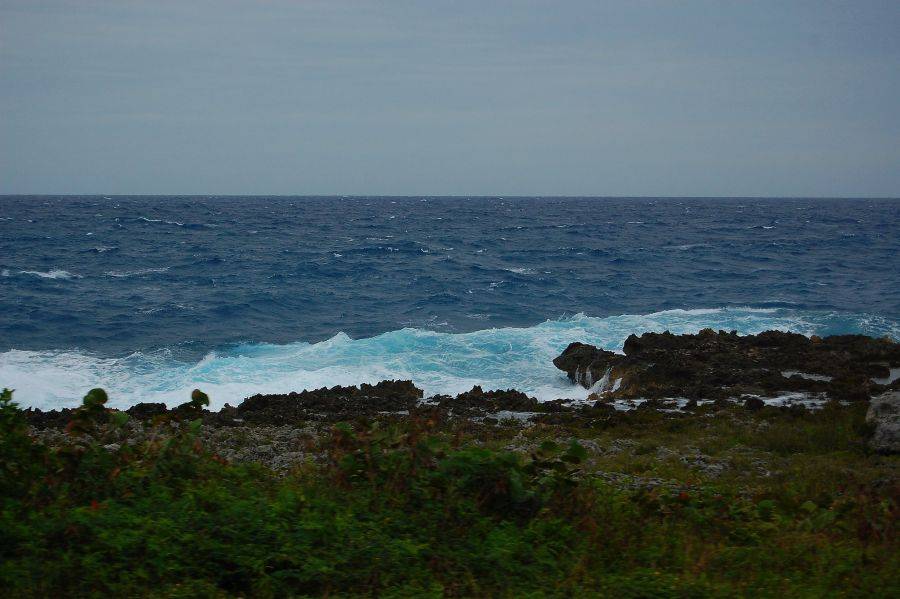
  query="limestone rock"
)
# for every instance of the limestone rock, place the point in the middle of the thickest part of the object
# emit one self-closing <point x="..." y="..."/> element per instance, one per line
<point x="884" y="416"/>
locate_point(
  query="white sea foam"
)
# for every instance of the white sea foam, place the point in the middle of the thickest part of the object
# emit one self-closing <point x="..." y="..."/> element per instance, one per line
<point x="119" y="274"/>
<point x="687" y="246"/>
<point x="806" y="375"/>
<point x="51" y="274"/>
<point x="159" y="220"/>
<point x="437" y="362"/>
<point x="890" y="378"/>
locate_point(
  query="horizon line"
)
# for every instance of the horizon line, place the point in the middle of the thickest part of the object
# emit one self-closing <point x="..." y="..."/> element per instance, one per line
<point x="466" y="196"/>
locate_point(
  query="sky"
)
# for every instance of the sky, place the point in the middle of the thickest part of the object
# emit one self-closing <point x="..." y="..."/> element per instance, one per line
<point x="625" y="98"/>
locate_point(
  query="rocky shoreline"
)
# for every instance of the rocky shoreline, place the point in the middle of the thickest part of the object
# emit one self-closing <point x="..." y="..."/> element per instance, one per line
<point x="674" y="375"/>
<point x="700" y="461"/>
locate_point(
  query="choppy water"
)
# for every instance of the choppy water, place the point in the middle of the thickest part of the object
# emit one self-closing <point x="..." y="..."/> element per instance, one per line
<point x="151" y="297"/>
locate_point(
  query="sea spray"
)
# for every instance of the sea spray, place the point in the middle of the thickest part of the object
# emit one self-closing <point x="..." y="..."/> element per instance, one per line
<point x="501" y="358"/>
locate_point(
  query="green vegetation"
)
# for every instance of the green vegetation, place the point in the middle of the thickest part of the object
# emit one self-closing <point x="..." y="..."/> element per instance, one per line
<point x="640" y="505"/>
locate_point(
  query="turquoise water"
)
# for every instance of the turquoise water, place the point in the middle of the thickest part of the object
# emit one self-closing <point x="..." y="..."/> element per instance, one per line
<point x="151" y="297"/>
<point x="438" y="362"/>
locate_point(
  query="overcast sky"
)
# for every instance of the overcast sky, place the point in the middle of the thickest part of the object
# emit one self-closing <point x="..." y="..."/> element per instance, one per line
<point x="660" y="98"/>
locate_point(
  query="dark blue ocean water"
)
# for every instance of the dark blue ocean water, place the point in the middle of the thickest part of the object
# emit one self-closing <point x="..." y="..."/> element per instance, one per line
<point x="150" y="289"/>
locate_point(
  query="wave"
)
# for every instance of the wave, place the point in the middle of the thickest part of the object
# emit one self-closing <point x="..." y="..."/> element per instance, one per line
<point x="119" y="274"/>
<point x="685" y="247"/>
<point x="438" y="362"/>
<point x="176" y="223"/>
<point x="521" y="271"/>
<point x="159" y="220"/>
<point x="51" y="274"/>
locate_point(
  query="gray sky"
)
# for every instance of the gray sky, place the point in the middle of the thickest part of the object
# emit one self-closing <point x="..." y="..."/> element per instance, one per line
<point x="530" y="98"/>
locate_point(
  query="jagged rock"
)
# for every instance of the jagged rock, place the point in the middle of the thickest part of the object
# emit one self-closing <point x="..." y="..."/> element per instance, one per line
<point x="754" y="404"/>
<point x="884" y="417"/>
<point x="49" y="419"/>
<point x="480" y="401"/>
<point x="585" y="364"/>
<point x="145" y="411"/>
<point x="337" y="403"/>
<point x="718" y="365"/>
<point x="654" y="404"/>
<point x="555" y="405"/>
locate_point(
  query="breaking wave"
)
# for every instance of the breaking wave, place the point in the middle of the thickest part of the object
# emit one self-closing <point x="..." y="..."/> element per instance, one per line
<point x="51" y="274"/>
<point x="438" y="362"/>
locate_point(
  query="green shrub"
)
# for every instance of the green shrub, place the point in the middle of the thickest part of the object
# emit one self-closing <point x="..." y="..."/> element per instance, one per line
<point x="409" y="510"/>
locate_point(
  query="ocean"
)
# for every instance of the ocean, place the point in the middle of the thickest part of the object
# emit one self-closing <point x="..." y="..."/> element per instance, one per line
<point x="150" y="297"/>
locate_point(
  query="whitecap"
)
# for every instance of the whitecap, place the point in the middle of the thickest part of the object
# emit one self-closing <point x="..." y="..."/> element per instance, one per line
<point x="521" y="271"/>
<point x="51" y="274"/>
<point x="687" y="246"/>
<point x="437" y="362"/>
<point x="166" y="307"/>
<point x="159" y="220"/>
<point x="119" y="274"/>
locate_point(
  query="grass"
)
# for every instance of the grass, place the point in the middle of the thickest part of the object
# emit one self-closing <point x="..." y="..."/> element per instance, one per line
<point x="796" y="508"/>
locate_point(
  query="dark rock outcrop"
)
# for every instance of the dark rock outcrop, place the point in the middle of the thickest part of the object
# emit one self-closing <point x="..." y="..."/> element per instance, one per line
<point x="49" y="419"/>
<point x="334" y="404"/>
<point x="585" y="364"/>
<point x="713" y="365"/>
<point x="754" y="404"/>
<point x="146" y="411"/>
<point x="478" y="401"/>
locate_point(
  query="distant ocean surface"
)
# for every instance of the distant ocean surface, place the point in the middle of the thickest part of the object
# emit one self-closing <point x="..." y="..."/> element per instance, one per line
<point x="151" y="297"/>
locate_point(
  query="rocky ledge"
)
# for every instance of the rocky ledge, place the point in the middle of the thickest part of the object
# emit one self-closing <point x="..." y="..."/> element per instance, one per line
<point x="670" y="374"/>
<point x="387" y="399"/>
<point x="721" y="365"/>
